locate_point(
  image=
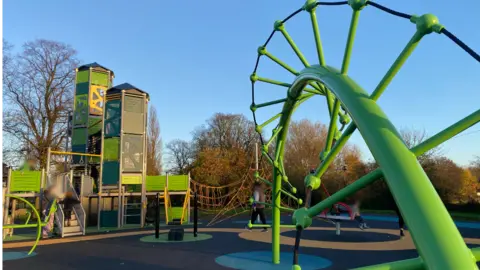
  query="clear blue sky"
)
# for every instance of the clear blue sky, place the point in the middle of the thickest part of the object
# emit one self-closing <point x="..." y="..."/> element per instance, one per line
<point x="195" y="57"/>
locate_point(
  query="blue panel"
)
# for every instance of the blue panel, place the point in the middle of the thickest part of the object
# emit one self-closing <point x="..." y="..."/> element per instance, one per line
<point x="110" y="173"/>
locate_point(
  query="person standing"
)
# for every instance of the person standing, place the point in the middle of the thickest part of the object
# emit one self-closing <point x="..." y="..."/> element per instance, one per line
<point x="49" y="216"/>
<point x="393" y="205"/>
<point x="258" y="205"/>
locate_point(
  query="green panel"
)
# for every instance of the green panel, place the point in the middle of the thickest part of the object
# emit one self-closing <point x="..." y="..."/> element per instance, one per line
<point x="132" y="158"/>
<point x="81" y="109"/>
<point x="112" y="118"/>
<point x="79" y="149"/>
<point x="131" y="179"/>
<point x="94" y="125"/>
<point x="109" y="218"/>
<point x="178" y="182"/>
<point x="82" y="88"/>
<point x="110" y="173"/>
<point x="100" y="79"/>
<point x="22" y="181"/>
<point x="79" y="136"/>
<point x="82" y="76"/>
<point x="133" y="123"/>
<point x="134" y="104"/>
<point x="174" y="212"/>
<point x="133" y="188"/>
<point x="156" y="183"/>
<point x="111" y="149"/>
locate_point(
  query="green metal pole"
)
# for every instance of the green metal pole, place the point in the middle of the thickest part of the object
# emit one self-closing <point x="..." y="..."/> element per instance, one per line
<point x="410" y="264"/>
<point x="277" y="184"/>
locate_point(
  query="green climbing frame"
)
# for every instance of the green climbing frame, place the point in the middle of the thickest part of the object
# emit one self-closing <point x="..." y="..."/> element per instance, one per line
<point x="440" y="245"/>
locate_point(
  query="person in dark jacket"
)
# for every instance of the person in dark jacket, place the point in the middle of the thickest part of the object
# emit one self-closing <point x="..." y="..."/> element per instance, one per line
<point x="68" y="203"/>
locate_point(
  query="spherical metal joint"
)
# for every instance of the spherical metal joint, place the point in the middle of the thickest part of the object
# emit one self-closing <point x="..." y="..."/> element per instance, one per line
<point x="262" y="50"/>
<point x="344" y="119"/>
<point x="276" y="164"/>
<point x="250" y="225"/>
<point x="285" y="178"/>
<point x="253" y="107"/>
<point x="256" y="175"/>
<point x="301" y="218"/>
<point x="253" y="77"/>
<point x="427" y="24"/>
<point x="357" y="4"/>
<point x="251" y="200"/>
<point x="313" y="182"/>
<point x="258" y="129"/>
<point x="310" y="5"/>
<point x="265" y="149"/>
<point x="300" y="201"/>
<point x="278" y="26"/>
<point x="293" y="190"/>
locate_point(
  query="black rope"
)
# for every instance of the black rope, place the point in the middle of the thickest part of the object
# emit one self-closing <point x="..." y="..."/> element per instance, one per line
<point x="461" y="44"/>
<point x="291" y="15"/>
<point x="391" y="11"/>
<point x="269" y="38"/>
<point x="332" y="3"/>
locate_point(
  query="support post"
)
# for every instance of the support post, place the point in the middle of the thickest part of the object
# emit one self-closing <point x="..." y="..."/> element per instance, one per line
<point x="120" y="195"/>
<point x="195" y="215"/>
<point x="337" y="228"/>
<point x="48" y="164"/>
<point x="157" y="216"/>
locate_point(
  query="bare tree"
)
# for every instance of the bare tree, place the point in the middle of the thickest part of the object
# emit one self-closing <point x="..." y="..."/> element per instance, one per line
<point x="413" y="137"/>
<point x="181" y="156"/>
<point x="37" y="89"/>
<point x="154" y="144"/>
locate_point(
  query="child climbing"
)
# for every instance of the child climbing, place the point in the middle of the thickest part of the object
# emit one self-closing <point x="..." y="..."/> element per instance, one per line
<point x="258" y="208"/>
<point x="68" y="203"/>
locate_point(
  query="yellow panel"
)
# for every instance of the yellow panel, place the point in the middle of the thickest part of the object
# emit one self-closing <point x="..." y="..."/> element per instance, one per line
<point x="96" y="99"/>
<point x="131" y="179"/>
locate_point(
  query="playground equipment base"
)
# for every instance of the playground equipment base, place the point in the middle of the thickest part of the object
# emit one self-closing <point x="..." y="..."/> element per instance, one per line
<point x="176" y="234"/>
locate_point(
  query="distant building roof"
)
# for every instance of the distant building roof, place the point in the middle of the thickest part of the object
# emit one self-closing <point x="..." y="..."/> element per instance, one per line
<point x="128" y="88"/>
<point x="94" y="65"/>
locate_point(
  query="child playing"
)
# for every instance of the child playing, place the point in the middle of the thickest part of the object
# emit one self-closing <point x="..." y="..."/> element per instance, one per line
<point x="258" y="209"/>
<point x="68" y="203"/>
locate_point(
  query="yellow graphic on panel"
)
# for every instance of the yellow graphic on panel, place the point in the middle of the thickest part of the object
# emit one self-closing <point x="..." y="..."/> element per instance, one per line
<point x="96" y="99"/>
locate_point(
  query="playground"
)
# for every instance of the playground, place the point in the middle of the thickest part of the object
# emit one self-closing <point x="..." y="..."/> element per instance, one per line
<point x="102" y="210"/>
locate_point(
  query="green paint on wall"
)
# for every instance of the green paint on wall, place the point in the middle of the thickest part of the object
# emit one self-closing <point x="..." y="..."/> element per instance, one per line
<point x="24" y="181"/>
<point x="94" y="125"/>
<point x="110" y="173"/>
<point x="81" y="110"/>
<point x="178" y="182"/>
<point x="111" y="149"/>
<point x="82" y="76"/>
<point x="81" y="88"/>
<point x="99" y="78"/>
<point x="109" y="218"/>
<point x="175" y="212"/>
<point x="79" y="136"/>
<point x="112" y="118"/>
<point x="156" y="182"/>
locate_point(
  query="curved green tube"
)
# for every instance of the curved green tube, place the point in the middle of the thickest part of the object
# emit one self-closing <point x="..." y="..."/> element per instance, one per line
<point x="39" y="223"/>
<point x="440" y="245"/>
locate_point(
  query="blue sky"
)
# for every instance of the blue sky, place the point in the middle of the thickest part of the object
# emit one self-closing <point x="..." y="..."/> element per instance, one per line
<point x="195" y="57"/>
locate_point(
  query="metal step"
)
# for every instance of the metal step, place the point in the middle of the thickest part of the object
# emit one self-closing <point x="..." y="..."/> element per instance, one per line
<point x="71" y="229"/>
<point x="74" y="222"/>
<point x="72" y="234"/>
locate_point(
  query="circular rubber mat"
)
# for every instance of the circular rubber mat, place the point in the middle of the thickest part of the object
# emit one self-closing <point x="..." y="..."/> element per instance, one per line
<point x="16" y="255"/>
<point x="262" y="260"/>
<point x="187" y="237"/>
<point x="345" y="236"/>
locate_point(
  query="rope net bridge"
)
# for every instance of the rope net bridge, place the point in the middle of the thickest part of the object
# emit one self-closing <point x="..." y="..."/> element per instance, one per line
<point x="440" y="245"/>
<point x="231" y="200"/>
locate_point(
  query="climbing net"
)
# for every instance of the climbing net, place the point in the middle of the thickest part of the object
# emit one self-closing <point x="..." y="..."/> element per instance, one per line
<point x="346" y="100"/>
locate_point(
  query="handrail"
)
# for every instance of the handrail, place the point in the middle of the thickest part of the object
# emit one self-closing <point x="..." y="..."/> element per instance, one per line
<point x="185" y="204"/>
<point x="18" y="226"/>
<point x="165" y="203"/>
<point x="81" y="219"/>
